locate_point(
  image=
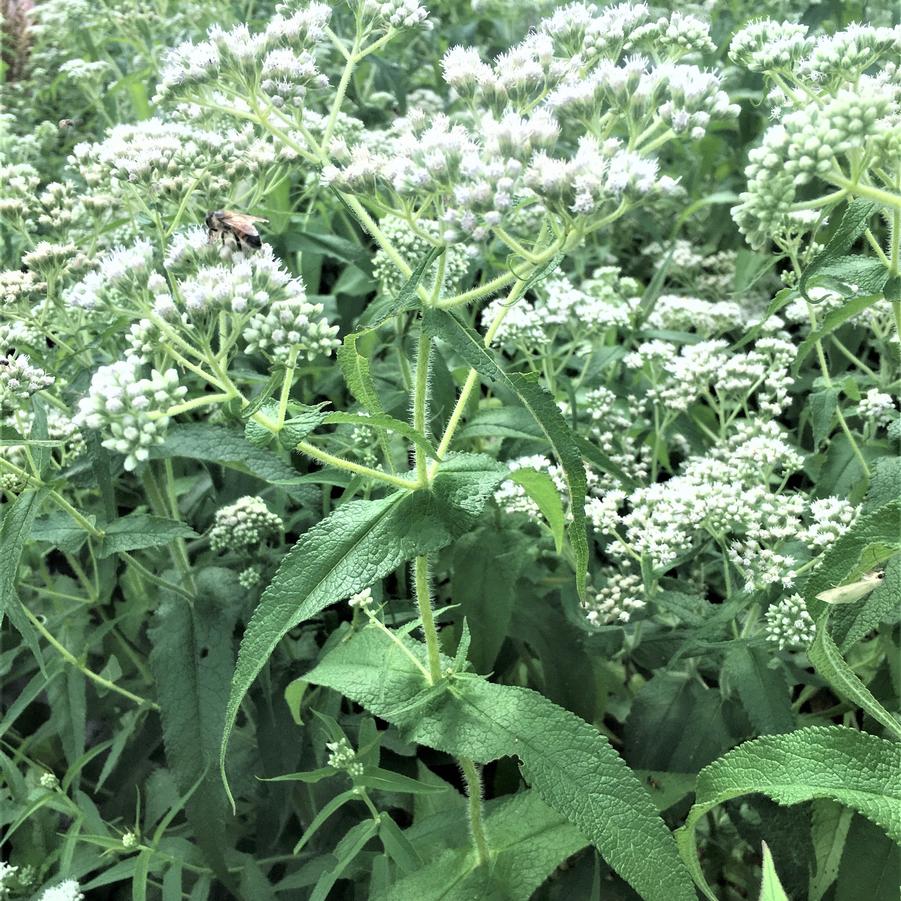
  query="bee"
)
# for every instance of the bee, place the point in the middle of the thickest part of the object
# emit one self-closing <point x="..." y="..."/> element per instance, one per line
<point x="854" y="591"/>
<point x="238" y="227"/>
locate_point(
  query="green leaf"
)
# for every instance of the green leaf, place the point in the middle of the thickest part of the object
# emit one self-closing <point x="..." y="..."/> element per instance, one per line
<point x="885" y="483"/>
<point x="822" y="410"/>
<point x="853" y="224"/>
<point x="385" y="780"/>
<point x="874" y="537"/>
<point x="397" y="846"/>
<point x="348" y="848"/>
<point x="303" y="420"/>
<point x="540" y="487"/>
<point x="192" y="660"/>
<point x="829" y="663"/>
<point x="141" y="530"/>
<point x="547" y="414"/>
<point x="487" y="564"/>
<point x="463" y="486"/>
<point x="527" y="840"/>
<point x="544" y="409"/>
<point x="829" y="825"/>
<point x="858" y="770"/>
<point x="60" y="530"/>
<point x="348" y="551"/>
<point x="832" y="321"/>
<point x="871" y="865"/>
<point x="406" y="299"/>
<point x="17" y="526"/>
<point x="566" y="761"/>
<point x="770" y="887"/>
<point x="849" y="623"/>
<point x="763" y="691"/>
<point x="357" y="375"/>
<point x="502" y="422"/>
<point x="225" y="446"/>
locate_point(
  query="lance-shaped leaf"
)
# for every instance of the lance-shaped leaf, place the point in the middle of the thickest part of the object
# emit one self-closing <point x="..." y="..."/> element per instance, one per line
<point x="544" y="409"/>
<point x="567" y="762"/>
<point x="858" y="770"/>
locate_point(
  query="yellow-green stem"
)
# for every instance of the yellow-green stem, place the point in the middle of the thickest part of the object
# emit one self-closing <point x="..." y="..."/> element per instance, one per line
<point x="420" y="403"/>
<point x="89" y="674"/>
<point x="424" y="601"/>
<point x="474" y="791"/>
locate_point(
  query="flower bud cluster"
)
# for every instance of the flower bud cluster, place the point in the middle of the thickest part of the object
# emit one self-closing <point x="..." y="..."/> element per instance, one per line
<point x="413" y="246"/>
<point x="397" y="13"/>
<point x="767" y="45"/>
<point x="343" y="757"/>
<point x="838" y="106"/>
<point x="617" y="601"/>
<point x="291" y="326"/>
<point x="19" y="380"/>
<point x="243" y="525"/>
<point x="130" y="411"/>
<point x="789" y="624"/>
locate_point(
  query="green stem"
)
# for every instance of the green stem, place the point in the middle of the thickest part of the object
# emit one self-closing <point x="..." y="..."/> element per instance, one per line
<point x="424" y="601"/>
<point x="474" y="792"/>
<point x="89" y="674"/>
<point x="420" y="403"/>
<point x="472" y="378"/>
<point x="886" y="198"/>
<point x="356" y="468"/>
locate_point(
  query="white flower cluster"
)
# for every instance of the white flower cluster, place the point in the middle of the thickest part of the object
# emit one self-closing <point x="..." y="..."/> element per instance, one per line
<point x="413" y="246"/>
<point x="49" y="258"/>
<point x="789" y="624"/>
<point x="877" y="407"/>
<point x="67" y="890"/>
<point x="830" y="517"/>
<point x="122" y="268"/>
<point x="724" y="495"/>
<point x="362" y="599"/>
<point x="130" y="410"/>
<point x="767" y="45"/>
<point x="541" y="141"/>
<point x="246" y="523"/>
<point x="686" y="314"/>
<point x="562" y="310"/>
<point x="18" y="286"/>
<point x="617" y="601"/>
<point x="282" y="55"/>
<point x="19" y="380"/>
<point x="614" y="423"/>
<point x="845" y="102"/>
<point x="6" y="872"/>
<point x="680" y="376"/>
<point x="343" y="757"/>
<point x="164" y="161"/>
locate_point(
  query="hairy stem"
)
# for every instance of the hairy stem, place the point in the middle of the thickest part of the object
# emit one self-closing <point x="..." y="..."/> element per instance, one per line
<point x="424" y="601"/>
<point x="474" y="792"/>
